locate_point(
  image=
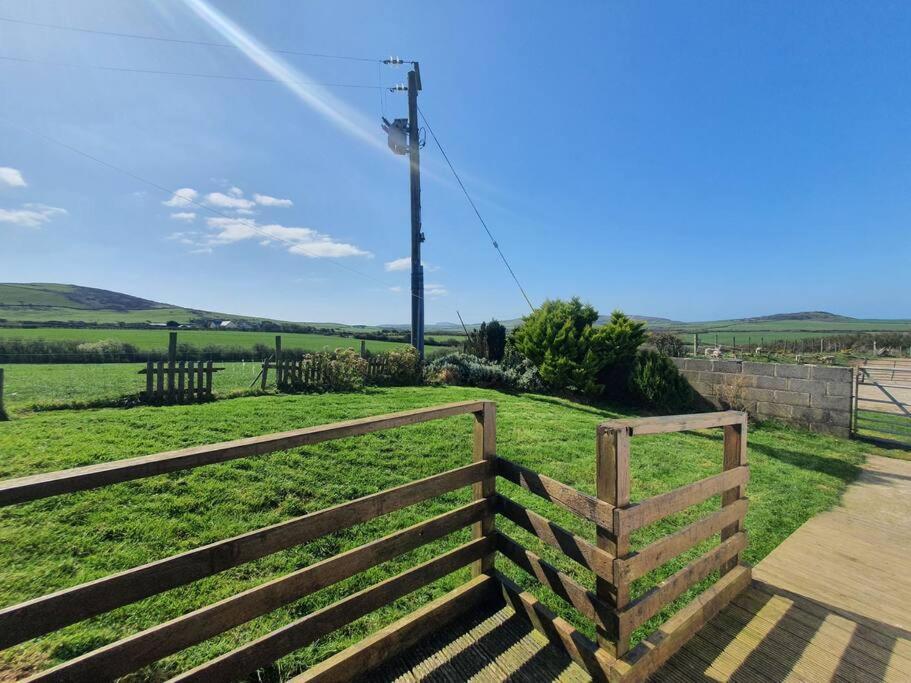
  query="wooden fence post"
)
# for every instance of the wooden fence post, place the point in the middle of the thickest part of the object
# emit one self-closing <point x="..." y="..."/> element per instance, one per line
<point x="191" y="381"/>
<point x="159" y="381"/>
<point x="612" y="486"/>
<point x="279" y="371"/>
<point x="3" y="415"/>
<point x="485" y="448"/>
<point x="150" y="378"/>
<point x="209" y="379"/>
<point x="264" y="375"/>
<point x="735" y="455"/>
<point x="180" y="381"/>
<point x="363" y="348"/>
<point x="172" y="359"/>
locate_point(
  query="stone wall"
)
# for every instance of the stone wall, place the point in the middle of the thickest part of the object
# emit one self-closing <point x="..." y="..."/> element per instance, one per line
<point x="815" y="397"/>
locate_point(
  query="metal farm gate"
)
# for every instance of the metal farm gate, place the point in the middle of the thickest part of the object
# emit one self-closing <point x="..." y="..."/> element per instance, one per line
<point x="882" y="401"/>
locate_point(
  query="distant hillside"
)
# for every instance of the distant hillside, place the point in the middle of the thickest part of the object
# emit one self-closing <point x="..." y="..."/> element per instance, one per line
<point x="804" y="315"/>
<point x="40" y="302"/>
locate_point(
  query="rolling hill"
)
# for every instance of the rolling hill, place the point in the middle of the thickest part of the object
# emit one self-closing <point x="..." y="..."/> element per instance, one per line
<point x="38" y="302"/>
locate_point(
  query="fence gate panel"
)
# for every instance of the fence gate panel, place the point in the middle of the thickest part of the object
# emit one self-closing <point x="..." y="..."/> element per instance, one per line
<point x="882" y="401"/>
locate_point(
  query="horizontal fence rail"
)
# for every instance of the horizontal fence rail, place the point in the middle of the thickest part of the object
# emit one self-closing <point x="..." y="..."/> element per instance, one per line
<point x="615" y="564"/>
<point x="48" y="613"/>
<point x="89" y="477"/>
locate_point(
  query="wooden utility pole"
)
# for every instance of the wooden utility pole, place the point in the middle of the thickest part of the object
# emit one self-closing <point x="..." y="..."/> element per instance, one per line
<point x="417" y="236"/>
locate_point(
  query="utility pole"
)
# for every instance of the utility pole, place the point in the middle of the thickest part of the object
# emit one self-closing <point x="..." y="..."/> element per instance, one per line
<point x="398" y="130"/>
<point x="417" y="270"/>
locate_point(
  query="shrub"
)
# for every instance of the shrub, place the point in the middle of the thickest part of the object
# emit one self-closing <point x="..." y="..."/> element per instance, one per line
<point x="614" y="347"/>
<point x="556" y="338"/>
<point x="402" y="368"/>
<point x="669" y="344"/>
<point x="495" y="340"/>
<point x="656" y="382"/>
<point x="527" y="377"/>
<point x="463" y="369"/>
<point x="339" y="370"/>
<point x="488" y="341"/>
<point x="570" y="353"/>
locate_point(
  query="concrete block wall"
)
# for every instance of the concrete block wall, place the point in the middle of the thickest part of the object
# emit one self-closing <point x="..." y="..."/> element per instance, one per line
<point x="814" y="397"/>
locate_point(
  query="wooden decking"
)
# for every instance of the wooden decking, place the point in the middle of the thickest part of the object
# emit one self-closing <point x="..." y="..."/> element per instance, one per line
<point x="496" y="645"/>
<point x="831" y="603"/>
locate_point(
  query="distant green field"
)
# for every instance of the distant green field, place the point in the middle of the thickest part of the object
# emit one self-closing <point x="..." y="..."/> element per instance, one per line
<point x="157" y="340"/>
<point x="727" y="331"/>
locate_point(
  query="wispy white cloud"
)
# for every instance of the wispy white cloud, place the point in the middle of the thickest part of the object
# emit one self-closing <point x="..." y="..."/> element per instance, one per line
<point x="266" y="200"/>
<point x="11" y="177"/>
<point x="398" y="264"/>
<point x="31" y="215"/>
<point x="297" y="240"/>
<point x="395" y="289"/>
<point x="185" y="216"/>
<point x="235" y="191"/>
<point x="182" y="197"/>
<point x="229" y="201"/>
<point x="435" y="289"/>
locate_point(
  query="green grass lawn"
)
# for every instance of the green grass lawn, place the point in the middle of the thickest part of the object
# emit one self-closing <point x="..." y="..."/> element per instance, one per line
<point x="29" y="387"/>
<point x="59" y="542"/>
<point x="881" y="425"/>
<point x="157" y="340"/>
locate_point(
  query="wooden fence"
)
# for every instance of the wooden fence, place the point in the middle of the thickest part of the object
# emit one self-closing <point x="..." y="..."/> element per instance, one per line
<point x="178" y="382"/>
<point x="48" y="613"/>
<point x="612" y="561"/>
<point x="609" y="557"/>
<point x="311" y="371"/>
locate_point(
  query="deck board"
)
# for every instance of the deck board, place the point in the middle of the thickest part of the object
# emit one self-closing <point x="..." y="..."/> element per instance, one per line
<point x="494" y="645"/>
<point x="831" y="603"/>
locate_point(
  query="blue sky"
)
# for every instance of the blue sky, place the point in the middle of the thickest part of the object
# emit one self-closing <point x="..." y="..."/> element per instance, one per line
<point x="689" y="160"/>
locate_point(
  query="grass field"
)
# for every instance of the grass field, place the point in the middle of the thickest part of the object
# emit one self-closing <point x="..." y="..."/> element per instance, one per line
<point x="888" y="426"/>
<point x="43" y="386"/>
<point x="48" y="545"/>
<point x="157" y="340"/>
<point x="757" y="332"/>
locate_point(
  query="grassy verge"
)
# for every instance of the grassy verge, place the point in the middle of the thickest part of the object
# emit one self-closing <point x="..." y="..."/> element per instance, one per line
<point x="51" y="544"/>
<point x="80" y="385"/>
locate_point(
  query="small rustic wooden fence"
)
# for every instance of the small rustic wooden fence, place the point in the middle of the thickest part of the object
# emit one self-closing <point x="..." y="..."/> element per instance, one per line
<point x="311" y="371"/>
<point x="178" y="382"/>
<point x="611" y="560"/>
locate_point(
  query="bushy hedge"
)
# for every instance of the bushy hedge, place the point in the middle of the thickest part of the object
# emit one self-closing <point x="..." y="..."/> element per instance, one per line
<point x="463" y="369"/>
<point x="561" y="340"/>
<point x="656" y="382"/>
<point x="668" y="343"/>
<point x="340" y="370"/>
<point x="401" y="368"/>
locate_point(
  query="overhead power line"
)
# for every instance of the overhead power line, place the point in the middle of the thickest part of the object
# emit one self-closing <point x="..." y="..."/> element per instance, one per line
<point x="493" y="241"/>
<point x="185" y="74"/>
<point x="181" y="41"/>
<point x="172" y="193"/>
